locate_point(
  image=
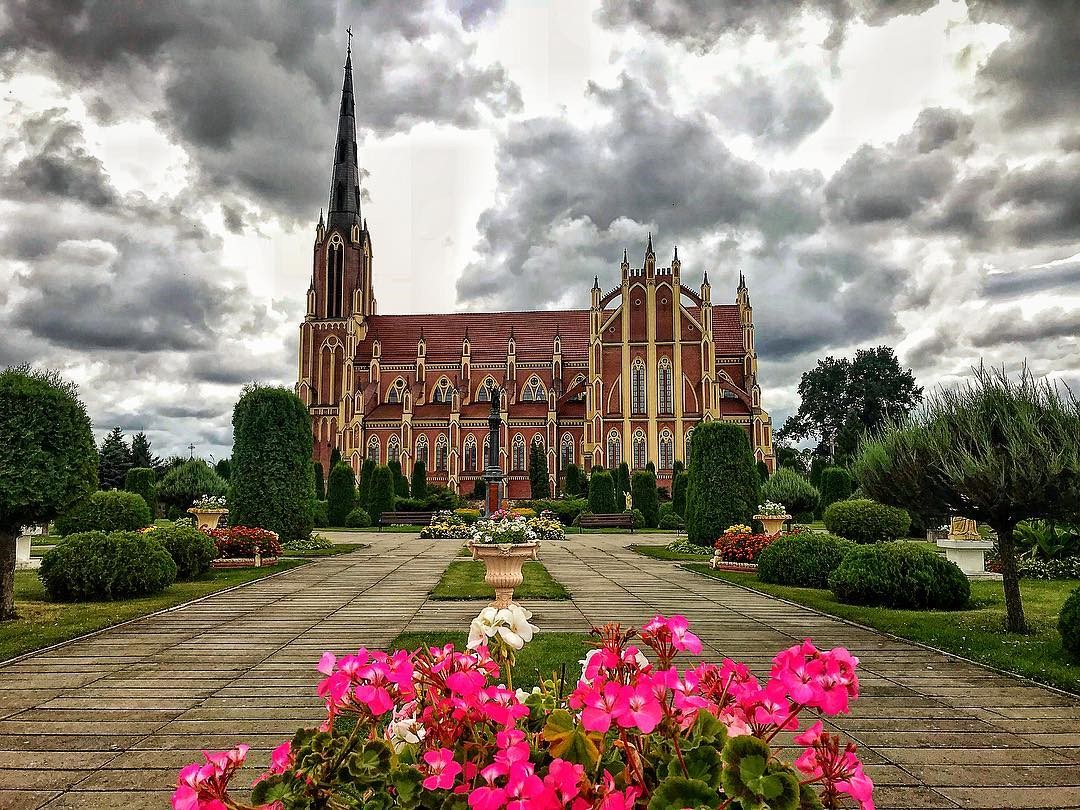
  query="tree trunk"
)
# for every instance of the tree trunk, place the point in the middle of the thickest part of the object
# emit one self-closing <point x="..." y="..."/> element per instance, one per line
<point x="8" y="536"/>
<point x="1014" y="605"/>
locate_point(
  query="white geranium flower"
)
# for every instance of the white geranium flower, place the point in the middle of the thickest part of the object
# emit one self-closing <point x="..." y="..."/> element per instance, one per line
<point x="404" y="732"/>
<point x="517" y="620"/>
<point x="483" y="627"/>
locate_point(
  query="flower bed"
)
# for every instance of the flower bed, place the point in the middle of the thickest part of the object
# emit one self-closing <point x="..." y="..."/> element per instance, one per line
<point x="446" y="525"/>
<point x="738" y="544"/>
<point x="436" y="728"/>
<point x="244" y="542"/>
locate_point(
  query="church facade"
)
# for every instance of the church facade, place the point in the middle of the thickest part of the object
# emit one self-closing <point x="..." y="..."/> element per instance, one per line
<point x="626" y="379"/>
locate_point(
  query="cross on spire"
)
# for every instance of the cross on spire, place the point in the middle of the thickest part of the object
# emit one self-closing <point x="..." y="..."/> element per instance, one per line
<point x="349" y="32"/>
<point x="191" y="450"/>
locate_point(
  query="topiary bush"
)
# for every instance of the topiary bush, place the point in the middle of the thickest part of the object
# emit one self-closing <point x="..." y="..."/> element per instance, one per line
<point x="836" y="485"/>
<point x="100" y="565"/>
<point x="900" y="575"/>
<point x="724" y="486"/>
<point x="191" y="549"/>
<point x="804" y="559"/>
<point x="638" y="518"/>
<point x="1069" y="625"/>
<point x="192" y="479"/>
<point x="602" y="494"/>
<point x="340" y="494"/>
<point x="644" y="496"/>
<point x="678" y="492"/>
<point x="113" y="511"/>
<point x="419" y="486"/>
<point x="381" y="498"/>
<point x="866" y="521"/>
<point x="792" y="490"/>
<point x="143" y="482"/>
<point x="321" y="513"/>
<point x="358" y="519"/>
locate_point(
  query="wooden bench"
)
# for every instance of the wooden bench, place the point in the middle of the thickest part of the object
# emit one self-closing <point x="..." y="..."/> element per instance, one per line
<point x="404" y="519"/>
<point x="620" y="520"/>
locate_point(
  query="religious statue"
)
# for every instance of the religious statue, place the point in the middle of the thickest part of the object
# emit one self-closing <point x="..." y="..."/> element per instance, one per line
<point x="629" y="501"/>
<point x="961" y="528"/>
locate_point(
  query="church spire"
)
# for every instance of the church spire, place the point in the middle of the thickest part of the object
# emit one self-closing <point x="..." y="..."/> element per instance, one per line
<point x="345" y="179"/>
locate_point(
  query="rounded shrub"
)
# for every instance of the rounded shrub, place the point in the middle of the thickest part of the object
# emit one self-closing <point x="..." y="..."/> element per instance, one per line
<point x="96" y="565"/>
<point x="321" y="513"/>
<point x="143" y="481"/>
<point x="866" y="521"/>
<point x="1069" y="625"/>
<point x="358" y="519"/>
<point x="900" y="575"/>
<point x="724" y="486"/>
<point x="792" y="490"/>
<point x="181" y="485"/>
<point x="191" y="549"/>
<point x="804" y="560"/>
<point x="112" y="511"/>
<point x="638" y="518"/>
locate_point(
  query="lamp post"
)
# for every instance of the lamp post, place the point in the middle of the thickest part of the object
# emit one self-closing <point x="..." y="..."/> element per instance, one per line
<point x="493" y="474"/>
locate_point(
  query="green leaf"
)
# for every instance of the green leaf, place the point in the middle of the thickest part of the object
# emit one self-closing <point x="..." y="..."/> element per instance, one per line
<point x="744" y="766"/>
<point x="569" y="741"/>
<point x="707" y="729"/>
<point x="677" y="792"/>
<point x="703" y="764"/>
<point x="808" y="798"/>
<point x="406" y="782"/>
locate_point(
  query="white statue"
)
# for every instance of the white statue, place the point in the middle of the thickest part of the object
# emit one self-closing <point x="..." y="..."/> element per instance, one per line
<point x="629" y="501"/>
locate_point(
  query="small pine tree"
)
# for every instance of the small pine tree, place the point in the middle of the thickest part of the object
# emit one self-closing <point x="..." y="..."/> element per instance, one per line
<point x="678" y="492"/>
<point x="320" y="482"/>
<point x="363" y="495"/>
<point x="723" y="488"/>
<point x="763" y="471"/>
<point x="419" y="480"/>
<point x="622" y="483"/>
<point x="677" y="468"/>
<point x="538" y="473"/>
<point x="401" y="483"/>
<point x="335" y="457"/>
<point x="142" y="455"/>
<point x="573" y="480"/>
<point x="340" y="494"/>
<point x="643" y="491"/>
<point x="382" y="493"/>
<point x="836" y="485"/>
<point x="602" y="493"/>
<point x="143" y="481"/>
<point x="224" y="469"/>
<point x="114" y="460"/>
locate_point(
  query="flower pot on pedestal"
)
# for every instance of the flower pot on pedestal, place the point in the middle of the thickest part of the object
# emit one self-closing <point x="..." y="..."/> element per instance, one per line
<point x="502" y="564"/>
<point x="207" y="518"/>
<point x="773" y="524"/>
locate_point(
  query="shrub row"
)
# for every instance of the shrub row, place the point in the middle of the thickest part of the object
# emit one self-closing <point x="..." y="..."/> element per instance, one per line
<point x="804" y="559"/>
<point x="100" y="565"/>
<point x="866" y="521"/>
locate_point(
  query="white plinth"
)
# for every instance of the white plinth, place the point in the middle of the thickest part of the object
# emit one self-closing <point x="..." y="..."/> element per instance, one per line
<point x="22" y="553"/>
<point x="969" y="556"/>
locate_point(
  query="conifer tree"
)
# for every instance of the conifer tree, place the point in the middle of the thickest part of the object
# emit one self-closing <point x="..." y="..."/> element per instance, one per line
<point x="320" y="482"/>
<point x="340" y="494"/>
<point x="602" y="494"/>
<point x="382" y="493"/>
<point x="363" y="497"/>
<point x="114" y="460"/>
<point x="643" y="491"/>
<point x="142" y="455"/>
<point x="678" y="492"/>
<point x="419" y="480"/>
<point x="622" y="482"/>
<point x="538" y="473"/>
<point x="573" y="481"/>
<point x="401" y="483"/>
<point x="723" y="488"/>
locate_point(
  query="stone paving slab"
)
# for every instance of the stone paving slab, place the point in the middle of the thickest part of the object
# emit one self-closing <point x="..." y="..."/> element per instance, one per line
<point x="107" y="721"/>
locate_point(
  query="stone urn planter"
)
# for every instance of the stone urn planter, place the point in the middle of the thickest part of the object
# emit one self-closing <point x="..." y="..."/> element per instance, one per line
<point x="207" y="518"/>
<point x="502" y="564"/>
<point x="773" y="524"/>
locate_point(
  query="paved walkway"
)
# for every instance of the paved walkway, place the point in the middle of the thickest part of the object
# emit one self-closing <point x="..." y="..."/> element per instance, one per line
<point x="106" y="722"/>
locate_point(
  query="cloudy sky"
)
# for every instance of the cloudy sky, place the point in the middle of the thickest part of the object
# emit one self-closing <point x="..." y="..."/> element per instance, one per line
<point x="904" y="172"/>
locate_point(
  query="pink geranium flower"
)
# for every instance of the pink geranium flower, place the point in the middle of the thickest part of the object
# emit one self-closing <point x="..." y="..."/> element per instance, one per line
<point x="442" y="769"/>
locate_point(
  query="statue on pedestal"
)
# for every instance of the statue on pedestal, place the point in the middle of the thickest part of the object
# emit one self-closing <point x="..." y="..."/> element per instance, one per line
<point x="629" y="501"/>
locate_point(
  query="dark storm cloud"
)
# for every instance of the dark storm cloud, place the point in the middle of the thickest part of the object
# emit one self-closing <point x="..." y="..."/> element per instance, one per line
<point x="251" y="89"/>
<point x="1013" y="284"/>
<point x="1040" y="204"/>
<point x="699" y="24"/>
<point x="780" y="110"/>
<point x="1011" y="327"/>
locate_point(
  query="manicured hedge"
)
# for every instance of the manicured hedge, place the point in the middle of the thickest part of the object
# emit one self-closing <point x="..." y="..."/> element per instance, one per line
<point x="112" y="511"/>
<point x="358" y="519"/>
<point x="724" y="484"/>
<point x="900" y="575"/>
<point x="1069" y="625"/>
<point x="191" y="549"/>
<point x="340" y="494"/>
<point x="792" y="490"/>
<point x="866" y="521"/>
<point x="805" y="559"/>
<point x="100" y="565"/>
<point x="602" y="494"/>
<point x="645" y="498"/>
<point x="143" y="482"/>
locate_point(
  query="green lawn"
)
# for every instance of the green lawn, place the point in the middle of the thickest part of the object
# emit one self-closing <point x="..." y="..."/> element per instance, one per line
<point x="404" y="529"/>
<point x="976" y="633"/>
<point x="338" y="548"/>
<point x="664" y="553"/>
<point x="42" y="623"/>
<point x="547" y="653"/>
<point x="465" y="580"/>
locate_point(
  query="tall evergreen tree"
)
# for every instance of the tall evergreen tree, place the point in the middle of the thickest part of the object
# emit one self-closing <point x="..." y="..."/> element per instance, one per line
<point x="678" y="492"/>
<point x="723" y="489"/>
<point x="340" y="494"/>
<point x="142" y="455"/>
<point x="320" y="481"/>
<point x="382" y="493"/>
<point x="419" y="480"/>
<point x="335" y="457"/>
<point x="622" y="483"/>
<point x="114" y="460"/>
<point x="224" y="469"/>
<point x="677" y="468"/>
<point x="573" y="481"/>
<point x="643" y="486"/>
<point x="401" y="483"/>
<point x="763" y="471"/>
<point x="602" y="494"/>
<point x="538" y="473"/>
<point x="143" y="481"/>
<point x="363" y="496"/>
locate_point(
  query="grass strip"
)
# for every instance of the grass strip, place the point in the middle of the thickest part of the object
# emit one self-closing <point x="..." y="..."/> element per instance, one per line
<point x="976" y="633"/>
<point x="465" y="580"/>
<point x="42" y="623"/>
<point x="664" y="553"/>
<point x="338" y="548"/>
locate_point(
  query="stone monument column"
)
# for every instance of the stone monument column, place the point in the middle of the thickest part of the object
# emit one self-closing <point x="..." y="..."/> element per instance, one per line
<point x="493" y="474"/>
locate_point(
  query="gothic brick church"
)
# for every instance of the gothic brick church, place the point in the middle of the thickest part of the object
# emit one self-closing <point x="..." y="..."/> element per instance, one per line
<point x="625" y="380"/>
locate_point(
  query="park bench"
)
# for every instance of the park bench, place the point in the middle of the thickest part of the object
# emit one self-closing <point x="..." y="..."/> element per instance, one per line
<point x="620" y="520"/>
<point x="404" y="519"/>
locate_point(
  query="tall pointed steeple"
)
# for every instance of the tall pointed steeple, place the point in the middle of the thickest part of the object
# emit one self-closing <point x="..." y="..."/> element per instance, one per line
<point x="345" y="179"/>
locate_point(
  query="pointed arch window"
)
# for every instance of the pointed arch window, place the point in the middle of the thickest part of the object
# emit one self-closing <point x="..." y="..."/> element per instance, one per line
<point x="394" y="393"/>
<point x="667" y="450"/>
<point x="483" y="393"/>
<point x="519" y="453"/>
<point x="393" y="449"/>
<point x="335" y="278"/>
<point x="441" y="453"/>
<point x="664" y="384"/>
<point x="640" y="456"/>
<point x="422" y="450"/>
<point x="566" y="450"/>
<point x="487" y="449"/>
<point x="637" y="386"/>
<point x="470" y="454"/>
<point x="443" y="391"/>
<point x="614" y="450"/>
<point x="534" y="391"/>
<point x="686" y="446"/>
<point x="373" y="449"/>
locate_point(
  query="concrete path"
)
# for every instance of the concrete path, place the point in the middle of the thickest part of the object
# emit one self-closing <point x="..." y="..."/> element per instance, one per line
<point x="106" y="722"/>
